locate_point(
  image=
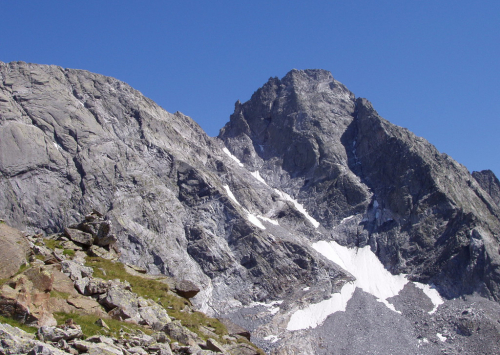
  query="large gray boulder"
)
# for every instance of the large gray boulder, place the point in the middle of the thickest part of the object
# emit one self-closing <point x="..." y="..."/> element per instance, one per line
<point x="14" y="250"/>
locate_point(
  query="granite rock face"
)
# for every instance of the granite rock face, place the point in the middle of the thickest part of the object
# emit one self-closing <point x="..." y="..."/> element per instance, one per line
<point x="421" y="211"/>
<point x="303" y="161"/>
<point x="489" y="182"/>
<point x="74" y="141"/>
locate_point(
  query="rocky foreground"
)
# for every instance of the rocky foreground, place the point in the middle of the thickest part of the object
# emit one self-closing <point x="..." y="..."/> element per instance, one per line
<point x="71" y="296"/>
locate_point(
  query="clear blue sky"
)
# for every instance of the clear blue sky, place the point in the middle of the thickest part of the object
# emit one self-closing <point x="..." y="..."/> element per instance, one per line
<point x="429" y="66"/>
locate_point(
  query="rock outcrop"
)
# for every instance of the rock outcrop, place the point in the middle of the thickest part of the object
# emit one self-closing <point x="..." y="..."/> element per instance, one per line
<point x="48" y="289"/>
<point x="14" y="251"/>
<point x="489" y="182"/>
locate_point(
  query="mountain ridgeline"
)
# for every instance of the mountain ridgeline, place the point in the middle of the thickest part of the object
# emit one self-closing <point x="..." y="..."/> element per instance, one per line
<point x="249" y="216"/>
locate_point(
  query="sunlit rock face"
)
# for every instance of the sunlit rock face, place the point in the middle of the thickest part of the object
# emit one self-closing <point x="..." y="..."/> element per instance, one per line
<point x="311" y="221"/>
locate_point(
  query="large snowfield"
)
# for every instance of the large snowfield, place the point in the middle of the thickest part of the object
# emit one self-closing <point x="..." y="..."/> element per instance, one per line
<point x="371" y="277"/>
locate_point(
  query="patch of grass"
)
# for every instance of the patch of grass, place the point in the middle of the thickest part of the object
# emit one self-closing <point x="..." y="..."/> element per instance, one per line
<point x="17" y="324"/>
<point x="193" y="320"/>
<point x="144" y="287"/>
<point x="157" y="291"/>
<point x="52" y="244"/>
<point x="89" y="326"/>
<point x="69" y="252"/>
<point x="57" y="294"/>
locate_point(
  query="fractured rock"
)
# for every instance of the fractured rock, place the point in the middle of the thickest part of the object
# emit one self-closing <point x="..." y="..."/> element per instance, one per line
<point x="54" y="334"/>
<point x="186" y="288"/>
<point x="78" y="236"/>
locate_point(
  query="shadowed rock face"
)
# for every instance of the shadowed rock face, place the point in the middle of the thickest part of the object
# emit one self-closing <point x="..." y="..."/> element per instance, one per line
<point x="489" y="182"/>
<point x="421" y="211"/>
<point x="72" y="141"/>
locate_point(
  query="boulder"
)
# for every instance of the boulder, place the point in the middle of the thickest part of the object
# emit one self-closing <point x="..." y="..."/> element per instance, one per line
<point x="14" y="250"/>
<point x="214" y="345"/>
<point x="87" y="305"/>
<point x="26" y="298"/>
<point x="14" y="340"/>
<point x="122" y="303"/>
<point x="54" y="334"/>
<point x="101" y="252"/>
<point x="177" y="332"/>
<point x="45" y="349"/>
<point x="75" y="270"/>
<point x="234" y="329"/>
<point x="78" y="236"/>
<point x="104" y="238"/>
<point x="96" y="348"/>
<point x="240" y="349"/>
<point x="186" y="289"/>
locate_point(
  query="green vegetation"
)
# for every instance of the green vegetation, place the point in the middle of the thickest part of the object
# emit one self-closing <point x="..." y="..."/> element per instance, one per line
<point x="52" y="244"/>
<point x="157" y="291"/>
<point x="69" y="252"/>
<point x="144" y="287"/>
<point x="17" y="324"/>
<point x="90" y="327"/>
<point x="57" y="294"/>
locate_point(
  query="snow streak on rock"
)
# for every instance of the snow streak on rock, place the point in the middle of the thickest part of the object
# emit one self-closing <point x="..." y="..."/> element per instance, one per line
<point x="299" y="207"/>
<point x="232" y="156"/>
<point x="230" y="193"/>
<point x="256" y="175"/>
<point x="251" y="217"/>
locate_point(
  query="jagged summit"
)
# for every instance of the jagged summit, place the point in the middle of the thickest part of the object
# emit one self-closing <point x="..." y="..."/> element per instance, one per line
<point x="268" y="217"/>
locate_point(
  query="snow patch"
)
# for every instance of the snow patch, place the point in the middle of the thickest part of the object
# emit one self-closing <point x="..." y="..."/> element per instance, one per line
<point x="306" y="289"/>
<point x="371" y="277"/>
<point x="270" y="304"/>
<point x="347" y="218"/>
<point x="255" y="221"/>
<point x="432" y="293"/>
<point x="230" y="193"/>
<point x="272" y="221"/>
<point x="299" y="207"/>
<point x="58" y="147"/>
<point x="271" y="338"/>
<point x="441" y="337"/>
<point x="256" y="175"/>
<point x="232" y="156"/>
<point x="315" y="314"/>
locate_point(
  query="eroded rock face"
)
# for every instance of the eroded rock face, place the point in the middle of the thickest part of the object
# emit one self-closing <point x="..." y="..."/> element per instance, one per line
<point x="157" y="177"/>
